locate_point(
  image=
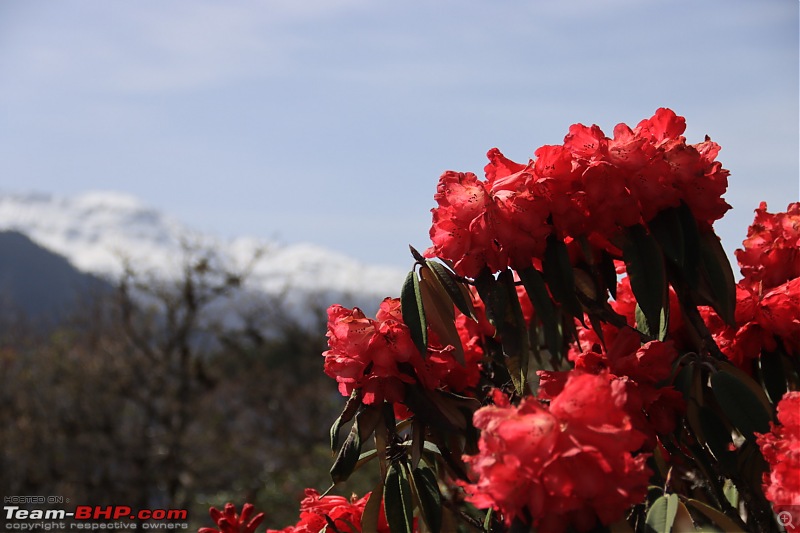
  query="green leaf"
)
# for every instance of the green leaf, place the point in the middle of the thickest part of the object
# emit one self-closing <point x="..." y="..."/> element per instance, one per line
<point x="533" y="281"/>
<point x="718" y="517"/>
<point x="557" y="269"/>
<point x="439" y="312"/>
<point x="716" y="437"/>
<point x="493" y="296"/>
<point x="773" y="375"/>
<point x="739" y="404"/>
<point x="667" y="229"/>
<point x="348" y="456"/>
<point x="608" y="273"/>
<point x="372" y="511"/>
<point x="397" y="500"/>
<point x="414" y="312"/>
<point x="430" y="499"/>
<point x="661" y="515"/>
<point x="691" y="245"/>
<point x="645" y="265"/>
<point x="350" y="452"/>
<point x="731" y="493"/>
<point x="454" y="288"/>
<point x="514" y="335"/>
<point x="719" y="276"/>
<point x="350" y="408"/>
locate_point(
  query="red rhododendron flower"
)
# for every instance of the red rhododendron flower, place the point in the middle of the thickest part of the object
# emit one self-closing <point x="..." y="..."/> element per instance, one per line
<point x="378" y="356"/>
<point x="770" y="255"/>
<point x="493" y="223"/>
<point x="781" y="449"/>
<point x="316" y="511"/>
<point x="568" y="465"/>
<point x="590" y="186"/>
<point x="229" y="522"/>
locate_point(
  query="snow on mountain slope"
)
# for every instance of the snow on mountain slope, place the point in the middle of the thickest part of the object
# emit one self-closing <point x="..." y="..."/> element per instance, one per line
<point x="97" y="231"/>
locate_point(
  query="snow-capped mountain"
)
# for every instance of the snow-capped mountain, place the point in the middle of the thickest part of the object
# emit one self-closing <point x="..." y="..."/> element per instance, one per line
<point x="99" y="231"/>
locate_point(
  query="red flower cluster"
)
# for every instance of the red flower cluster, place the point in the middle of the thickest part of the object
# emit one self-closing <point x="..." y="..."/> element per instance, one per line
<point x="781" y="449"/>
<point x="564" y="466"/>
<point x="229" y="522"/>
<point x="768" y="297"/>
<point x="591" y="186"/>
<point x="316" y="512"/>
<point x="378" y="356"/>
<point x="771" y="252"/>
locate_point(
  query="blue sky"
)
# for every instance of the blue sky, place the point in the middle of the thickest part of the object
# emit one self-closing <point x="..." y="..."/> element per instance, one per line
<point x="330" y="121"/>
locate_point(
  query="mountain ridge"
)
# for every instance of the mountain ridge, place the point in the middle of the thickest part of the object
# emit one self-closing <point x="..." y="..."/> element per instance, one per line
<point x="101" y="232"/>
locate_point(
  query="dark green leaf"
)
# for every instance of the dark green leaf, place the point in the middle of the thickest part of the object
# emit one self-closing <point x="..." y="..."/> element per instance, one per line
<point x="493" y="296"/>
<point x="430" y="499"/>
<point x="715" y="436"/>
<point x="514" y="335"/>
<point x="683" y="380"/>
<point x="661" y="515"/>
<point x="719" y="276"/>
<point x="416" y="255"/>
<point x="372" y="511"/>
<point x="397" y="500"/>
<point x="608" y="273"/>
<point x="453" y="288"/>
<point x="740" y="405"/>
<point x="667" y="229"/>
<point x="350" y="408"/>
<point x="645" y="265"/>
<point x="545" y="310"/>
<point x="773" y="374"/>
<point x="718" y="517"/>
<point x="559" y="276"/>
<point x="691" y="245"/>
<point x="439" y="312"/>
<point x="348" y="456"/>
<point x="414" y="312"/>
<point x="350" y="452"/>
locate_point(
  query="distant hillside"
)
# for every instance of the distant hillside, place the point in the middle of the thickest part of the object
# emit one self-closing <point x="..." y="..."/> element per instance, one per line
<point x="41" y="284"/>
<point x="97" y="231"/>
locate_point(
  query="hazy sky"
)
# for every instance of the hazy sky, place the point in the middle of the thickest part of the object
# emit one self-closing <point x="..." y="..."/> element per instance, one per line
<point x="330" y="120"/>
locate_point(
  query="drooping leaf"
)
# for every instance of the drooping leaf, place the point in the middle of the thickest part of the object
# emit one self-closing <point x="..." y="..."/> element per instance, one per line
<point x="715" y="515"/>
<point x="439" y="312"/>
<point x="417" y="441"/>
<point x="348" y="456"/>
<point x="608" y="273"/>
<point x="715" y="436"/>
<point x="749" y="382"/>
<point x="349" y="411"/>
<point x="493" y="296"/>
<point x="645" y="265"/>
<point x="557" y="270"/>
<point x="533" y="281"/>
<point x="430" y="499"/>
<point x="691" y="245"/>
<point x="372" y="511"/>
<point x="514" y="335"/>
<point x="397" y="500"/>
<point x="743" y="408"/>
<point x="667" y="229"/>
<point x="661" y="515"/>
<point x="350" y="452"/>
<point x="718" y="274"/>
<point x="414" y="312"/>
<point x="773" y="374"/>
<point x="454" y="289"/>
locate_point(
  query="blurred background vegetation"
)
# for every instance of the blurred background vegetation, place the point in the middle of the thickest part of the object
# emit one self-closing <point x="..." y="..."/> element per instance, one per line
<point x="171" y="395"/>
